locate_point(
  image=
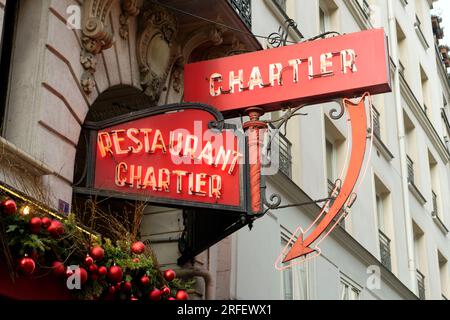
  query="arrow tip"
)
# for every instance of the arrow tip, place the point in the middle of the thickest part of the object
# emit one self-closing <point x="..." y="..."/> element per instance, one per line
<point x="298" y="250"/>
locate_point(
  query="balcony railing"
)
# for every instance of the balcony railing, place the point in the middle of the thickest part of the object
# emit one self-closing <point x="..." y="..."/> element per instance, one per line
<point x="285" y="154"/>
<point x="385" y="250"/>
<point x="376" y="123"/>
<point x="244" y="9"/>
<point x="420" y="284"/>
<point x="366" y="8"/>
<point x="410" y="164"/>
<point x="330" y="186"/>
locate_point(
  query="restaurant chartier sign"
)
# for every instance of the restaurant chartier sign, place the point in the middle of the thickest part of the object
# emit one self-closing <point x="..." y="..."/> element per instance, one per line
<point x="293" y="77"/>
<point x="176" y="155"/>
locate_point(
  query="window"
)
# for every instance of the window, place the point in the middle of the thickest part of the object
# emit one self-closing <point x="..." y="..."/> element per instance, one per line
<point x="288" y="279"/>
<point x="334" y="153"/>
<point x="420" y="16"/>
<point x="294" y="281"/>
<point x="322" y="21"/>
<point x="411" y="149"/>
<point x="348" y="291"/>
<point x="402" y="50"/>
<point x="380" y="213"/>
<point x="288" y="284"/>
<point x="334" y="150"/>
<point x="420" y="260"/>
<point x="435" y="188"/>
<point x="6" y="41"/>
<point x="425" y="91"/>
<point x="443" y="272"/>
<point x="384" y="217"/>
<point x="328" y="18"/>
<point x="331" y="161"/>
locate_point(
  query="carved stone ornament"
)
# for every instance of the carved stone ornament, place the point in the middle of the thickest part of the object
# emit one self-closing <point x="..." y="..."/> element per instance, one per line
<point x="129" y="9"/>
<point x="155" y="50"/>
<point x="96" y="37"/>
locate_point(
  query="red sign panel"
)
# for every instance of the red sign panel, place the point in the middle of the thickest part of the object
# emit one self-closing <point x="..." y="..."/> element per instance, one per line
<point x="171" y="158"/>
<point x="307" y="72"/>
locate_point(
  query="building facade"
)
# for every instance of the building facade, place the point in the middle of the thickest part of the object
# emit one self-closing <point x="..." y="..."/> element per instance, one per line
<point x="67" y="62"/>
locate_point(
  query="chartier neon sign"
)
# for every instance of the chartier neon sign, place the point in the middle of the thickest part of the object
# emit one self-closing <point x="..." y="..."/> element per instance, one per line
<point x="276" y="70"/>
<point x="170" y="158"/>
<point x="294" y="77"/>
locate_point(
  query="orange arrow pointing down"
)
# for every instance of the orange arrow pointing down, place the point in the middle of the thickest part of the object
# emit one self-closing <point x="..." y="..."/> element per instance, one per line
<point x="357" y="114"/>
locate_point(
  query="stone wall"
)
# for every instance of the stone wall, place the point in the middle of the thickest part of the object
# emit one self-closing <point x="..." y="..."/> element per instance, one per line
<point x="46" y="95"/>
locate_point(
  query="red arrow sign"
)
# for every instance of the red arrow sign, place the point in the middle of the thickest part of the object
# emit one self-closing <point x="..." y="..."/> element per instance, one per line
<point x="357" y="114"/>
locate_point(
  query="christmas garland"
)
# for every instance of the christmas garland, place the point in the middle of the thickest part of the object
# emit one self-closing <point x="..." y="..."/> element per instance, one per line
<point x="41" y="246"/>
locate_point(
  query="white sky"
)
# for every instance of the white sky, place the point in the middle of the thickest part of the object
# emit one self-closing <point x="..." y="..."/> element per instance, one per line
<point x="442" y="8"/>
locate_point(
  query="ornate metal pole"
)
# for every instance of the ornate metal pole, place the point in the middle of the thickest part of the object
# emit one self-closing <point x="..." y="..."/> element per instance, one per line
<point x="253" y="129"/>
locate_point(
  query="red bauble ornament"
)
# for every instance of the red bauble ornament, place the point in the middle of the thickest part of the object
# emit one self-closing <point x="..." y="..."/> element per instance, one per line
<point x="93" y="268"/>
<point x="169" y="275"/>
<point x="46" y="222"/>
<point x="27" y="265"/>
<point x="171" y="298"/>
<point x="165" y="291"/>
<point x="83" y="275"/>
<point x="9" y="206"/>
<point x="115" y="274"/>
<point x="181" y="295"/>
<point x="111" y="289"/>
<point x="133" y="298"/>
<point x="127" y="286"/>
<point x="102" y="271"/>
<point x="35" y="224"/>
<point x="145" y="281"/>
<point x="88" y="261"/>
<point x="138" y="247"/>
<point x="155" y="295"/>
<point x="136" y="260"/>
<point x="94" y="276"/>
<point x="58" y="269"/>
<point x="97" y="253"/>
<point x="56" y="229"/>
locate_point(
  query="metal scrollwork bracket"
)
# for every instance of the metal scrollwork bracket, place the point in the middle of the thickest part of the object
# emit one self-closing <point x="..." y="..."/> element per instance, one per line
<point x="279" y="38"/>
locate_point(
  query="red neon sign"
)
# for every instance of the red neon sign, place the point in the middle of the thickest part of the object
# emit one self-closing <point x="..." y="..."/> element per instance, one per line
<point x="171" y="158"/>
<point x="342" y="66"/>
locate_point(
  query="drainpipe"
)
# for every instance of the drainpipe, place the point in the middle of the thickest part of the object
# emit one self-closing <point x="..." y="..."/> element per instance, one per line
<point x="402" y="143"/>
<point x="210" y="285"/>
